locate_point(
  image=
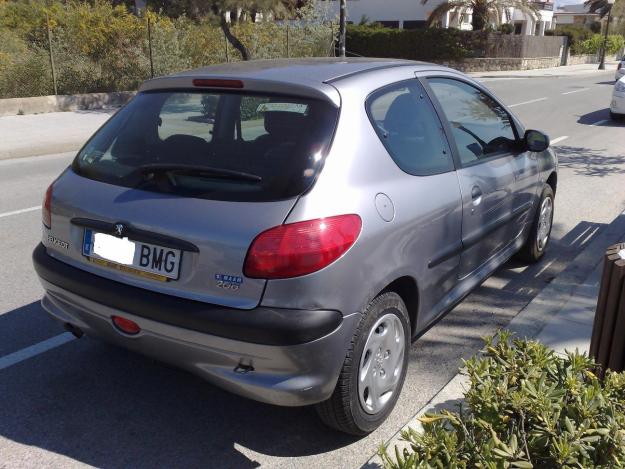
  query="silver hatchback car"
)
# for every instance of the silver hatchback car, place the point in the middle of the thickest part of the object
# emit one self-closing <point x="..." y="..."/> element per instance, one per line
<point x="285" y="229"/>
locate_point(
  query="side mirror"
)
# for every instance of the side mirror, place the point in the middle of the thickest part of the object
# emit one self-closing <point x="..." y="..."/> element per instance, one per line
<point x="536" y="141"/>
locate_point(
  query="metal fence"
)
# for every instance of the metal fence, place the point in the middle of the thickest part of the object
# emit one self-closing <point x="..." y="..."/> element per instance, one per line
<point x="55" y="63"/>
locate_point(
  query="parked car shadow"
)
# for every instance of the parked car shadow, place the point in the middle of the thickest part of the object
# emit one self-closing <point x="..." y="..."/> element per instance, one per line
<point x="598" y="116"/>
<point x="107" y="407"/>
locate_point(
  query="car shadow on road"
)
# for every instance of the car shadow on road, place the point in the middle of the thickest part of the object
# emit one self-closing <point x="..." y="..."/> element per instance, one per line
<point x="107" y="407"/>
<point x="592" y="118"/>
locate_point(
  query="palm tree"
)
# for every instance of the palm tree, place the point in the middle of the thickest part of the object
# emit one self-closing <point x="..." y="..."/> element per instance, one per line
<point x="482" y="10"/>
<point x="598" y="6"/>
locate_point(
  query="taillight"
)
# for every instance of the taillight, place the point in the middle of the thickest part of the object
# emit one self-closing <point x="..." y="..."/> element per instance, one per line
<point x="46" y="208"/>
<point x="301" y="248"/>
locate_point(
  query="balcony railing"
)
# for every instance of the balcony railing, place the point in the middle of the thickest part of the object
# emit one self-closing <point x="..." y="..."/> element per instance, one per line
<point x="544" y="5"/>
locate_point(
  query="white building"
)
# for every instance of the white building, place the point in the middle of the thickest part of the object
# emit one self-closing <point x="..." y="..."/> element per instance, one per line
<point x="575" y="14"/>
<point x="413" y="14"/>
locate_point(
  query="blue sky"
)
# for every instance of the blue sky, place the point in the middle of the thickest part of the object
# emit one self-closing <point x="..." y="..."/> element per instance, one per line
<point x="567" y="2"/>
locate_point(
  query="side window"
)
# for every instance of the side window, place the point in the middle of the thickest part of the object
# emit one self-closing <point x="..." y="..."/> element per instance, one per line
<point x="480" y="126"/>
<point x="409" y="128"/>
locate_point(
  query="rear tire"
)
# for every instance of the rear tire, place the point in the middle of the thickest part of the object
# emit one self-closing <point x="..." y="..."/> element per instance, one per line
<point x="354" y="407"/>
<point x="540" y="232"/>
<point x="616" y="117"/>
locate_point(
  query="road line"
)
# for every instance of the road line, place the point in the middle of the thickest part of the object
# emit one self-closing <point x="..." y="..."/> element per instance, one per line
<point x="528" y="102"/>
<point x="576" y="91"/>
<point x="600" y="122"/>
<point x="559" y="139"/>
<point x="34" y="350"/>
<point x="17" y="212"/>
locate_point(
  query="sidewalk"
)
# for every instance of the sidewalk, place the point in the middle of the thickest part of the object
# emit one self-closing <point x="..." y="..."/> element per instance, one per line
<point x="45" y="134"/>
<point x="560" y="316"/>
<point x="564" y="71"/>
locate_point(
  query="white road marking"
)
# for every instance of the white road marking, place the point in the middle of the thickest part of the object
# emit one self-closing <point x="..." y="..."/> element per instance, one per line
<point x="576" y="91"/>
<point x="559" y="139"/>
<point x="17" y="212"/>
<point x="528" y="102"/>
<point x="34" y="350"/>
<point x="600" y="122"/>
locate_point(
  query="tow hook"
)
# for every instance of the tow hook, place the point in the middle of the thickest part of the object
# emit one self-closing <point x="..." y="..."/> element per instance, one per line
<point x="242" y="368"/>
<point x="76" y="331"/>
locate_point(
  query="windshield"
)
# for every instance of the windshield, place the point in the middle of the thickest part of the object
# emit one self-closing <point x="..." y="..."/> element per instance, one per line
<point x="212" y="145"/>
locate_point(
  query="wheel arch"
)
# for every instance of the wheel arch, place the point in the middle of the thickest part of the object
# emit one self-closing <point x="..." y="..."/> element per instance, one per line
<point x="552" y="180"/>
<point x="406" y="288"/>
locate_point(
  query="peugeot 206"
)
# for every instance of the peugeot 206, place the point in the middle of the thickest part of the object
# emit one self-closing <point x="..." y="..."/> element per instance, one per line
<point x="286" y="229"/>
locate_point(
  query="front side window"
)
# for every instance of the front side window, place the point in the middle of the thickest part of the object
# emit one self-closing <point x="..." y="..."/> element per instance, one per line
<point x="480" y="126"/>
<point x="409" y="128"/>
<point x="212" y="145"/>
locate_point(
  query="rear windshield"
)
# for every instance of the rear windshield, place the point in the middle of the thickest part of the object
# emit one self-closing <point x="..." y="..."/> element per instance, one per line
<point x="212" y="145"/>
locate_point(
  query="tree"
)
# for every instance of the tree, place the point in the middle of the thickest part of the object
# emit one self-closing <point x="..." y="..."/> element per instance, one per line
<point x="598" y="6"/>
<point x="482" y="11"/>
<point x="228" y="12"/>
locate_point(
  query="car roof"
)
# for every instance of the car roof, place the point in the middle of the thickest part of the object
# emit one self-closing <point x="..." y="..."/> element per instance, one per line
<point x="305" y="75"/>
<point x="314" y="69"/>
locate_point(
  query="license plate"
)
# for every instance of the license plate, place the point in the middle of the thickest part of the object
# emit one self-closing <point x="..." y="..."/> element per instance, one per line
<point x="125" y="255"/>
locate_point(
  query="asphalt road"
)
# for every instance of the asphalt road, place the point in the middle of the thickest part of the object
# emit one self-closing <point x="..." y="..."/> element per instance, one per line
<point x="88" y="403"/>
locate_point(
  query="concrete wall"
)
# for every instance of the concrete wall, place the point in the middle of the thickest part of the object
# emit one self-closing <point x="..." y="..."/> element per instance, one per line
<point x="504" y="64"/>
<point x="40" y="104"/>
<point x="517" y="46"/>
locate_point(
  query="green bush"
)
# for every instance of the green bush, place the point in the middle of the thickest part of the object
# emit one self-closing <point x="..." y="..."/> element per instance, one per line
<point x="99" y="47"/>
<point x="576" y="34"/>
<point x="416" y="44"/>
<point x="595" y="43"/>
<point x="506" y="28"/>
<point x="526" y="407"/>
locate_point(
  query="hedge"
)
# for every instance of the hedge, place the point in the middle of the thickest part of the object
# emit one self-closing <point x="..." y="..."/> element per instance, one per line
<point x="417" y="44"/>
<point x="526" y="407"/>
<point x="583" y="40"/>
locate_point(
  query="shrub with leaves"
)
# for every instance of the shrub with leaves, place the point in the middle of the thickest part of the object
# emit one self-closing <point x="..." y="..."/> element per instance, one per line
<point x="526" y="407"/>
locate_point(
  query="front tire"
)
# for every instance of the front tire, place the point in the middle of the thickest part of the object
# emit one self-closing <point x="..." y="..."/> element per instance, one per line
<point x="374" y="369"/>
<point x="615" y="117"/>
<point x="540" y="232"/>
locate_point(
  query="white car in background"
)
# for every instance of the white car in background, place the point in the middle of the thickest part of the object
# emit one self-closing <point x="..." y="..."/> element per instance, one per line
<point x="617" y="106"/>
<point x="620" y="70"/>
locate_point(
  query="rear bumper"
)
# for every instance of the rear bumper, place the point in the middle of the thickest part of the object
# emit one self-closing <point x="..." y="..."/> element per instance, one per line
<point x="617" y="106"/>
<point x="289" y="374"/>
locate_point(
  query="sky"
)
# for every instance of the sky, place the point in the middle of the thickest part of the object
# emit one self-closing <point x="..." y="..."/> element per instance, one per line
<point x="567" y="2"/>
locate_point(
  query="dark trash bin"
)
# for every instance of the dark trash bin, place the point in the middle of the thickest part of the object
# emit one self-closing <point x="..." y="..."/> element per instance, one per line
<point x="607" y="344"/>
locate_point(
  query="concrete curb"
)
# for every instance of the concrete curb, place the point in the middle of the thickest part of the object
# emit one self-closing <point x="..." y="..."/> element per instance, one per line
<point x="42" y="149"/>
<point x="537" y="315"/>
<point x="58" y="103"/>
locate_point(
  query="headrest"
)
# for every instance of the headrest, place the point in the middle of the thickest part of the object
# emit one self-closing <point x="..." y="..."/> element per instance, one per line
<point x="283" y="123"/>
<point x="403" y="115"/>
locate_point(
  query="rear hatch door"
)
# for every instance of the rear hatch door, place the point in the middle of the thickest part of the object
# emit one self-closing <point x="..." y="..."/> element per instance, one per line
<point x="171" y="192"/>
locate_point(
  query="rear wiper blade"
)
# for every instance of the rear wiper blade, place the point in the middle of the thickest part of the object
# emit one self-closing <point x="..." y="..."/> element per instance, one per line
<point x="197" y="170"/>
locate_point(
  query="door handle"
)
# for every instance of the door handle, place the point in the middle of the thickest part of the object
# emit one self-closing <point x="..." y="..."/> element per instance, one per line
<point x="476" y="195"/>
<point x="476" y="192"/>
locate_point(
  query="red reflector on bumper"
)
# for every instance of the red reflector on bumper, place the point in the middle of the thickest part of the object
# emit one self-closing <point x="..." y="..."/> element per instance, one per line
<point x="126" y="325"/>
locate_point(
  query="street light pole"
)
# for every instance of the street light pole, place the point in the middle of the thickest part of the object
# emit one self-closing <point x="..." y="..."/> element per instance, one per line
<point x="342" y="26"/>
<point x="605" y="36"/>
